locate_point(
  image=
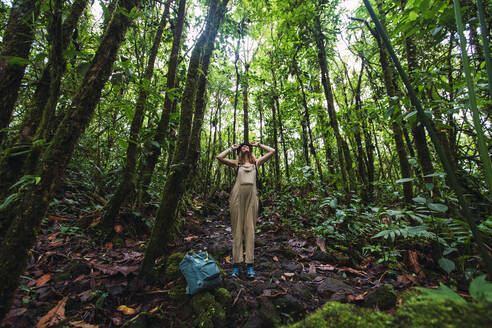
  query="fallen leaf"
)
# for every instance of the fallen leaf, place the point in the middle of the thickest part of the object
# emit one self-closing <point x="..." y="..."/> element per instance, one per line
<point x="13" y="314"/>
<point x="312" y="269"/>
<point x="350" y="298"/>
<point x="43" y="279"/>
<point x="108" y="245"/>
<point x="275" y="258"/>
<point x="82" y="324"/>
<point x="357" y="272"/>
<point x="407" y="279"/>
<point x="56" y="218"/>
<point x="154" y="309"/>
<point x="118" y="228"/>
<point x="117" y="320"/>
<point x="325" y="267"/>
<point x="55" y="315"/>
<point x="189" y="238"/>
<point x="321" y="242"/>
<point x="126" y="310"/>
<point x="228" y="259"/>
<point x="289" y="274"/>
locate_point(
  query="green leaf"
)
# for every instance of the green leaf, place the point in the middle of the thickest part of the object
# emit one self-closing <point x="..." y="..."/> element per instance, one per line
<point x="443" y="292"/>
<point x="412" y="16"/>
<point x="8" y="200"/>
<point x="438" y="207"/>
<point x="404" y="180"/>
<point x="481" y="289"/>
<point x="419" y="200"/>
<point x="446" y="264"/>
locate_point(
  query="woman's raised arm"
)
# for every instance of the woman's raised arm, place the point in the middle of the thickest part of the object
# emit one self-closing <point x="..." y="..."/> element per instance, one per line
<point x="270" y="151"/>
<point x="229" y="162"/>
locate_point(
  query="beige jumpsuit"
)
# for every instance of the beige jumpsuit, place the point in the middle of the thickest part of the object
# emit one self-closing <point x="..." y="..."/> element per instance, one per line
<point x="244" y="211"/>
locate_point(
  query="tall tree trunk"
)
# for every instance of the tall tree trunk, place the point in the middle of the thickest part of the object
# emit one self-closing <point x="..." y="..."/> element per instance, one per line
<point x="238" y="78"/>
<point x="187" y="146"/>
<point x="45" y="98"/>
<point x="16" y="46"/>
<point x="418" y="132"/>
<point x="33" y="201"/>
<point x="282" y="136"/>
<point x="153" y="149"/>
<point x="275" y="141"/>
<point x="396" y="126"/>
<point x="244" y="87"/>
<point x="343" y="155"/>
<point x="128" y="184"/>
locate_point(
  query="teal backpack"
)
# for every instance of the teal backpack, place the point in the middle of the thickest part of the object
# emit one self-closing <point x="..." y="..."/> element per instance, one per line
<point x="200" y="271"/>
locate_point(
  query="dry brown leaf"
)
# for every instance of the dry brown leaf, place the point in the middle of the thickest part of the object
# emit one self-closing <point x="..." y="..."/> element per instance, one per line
<point x="325" y="267"/>
<point x="42" y="280"/>
<point x="228" y="259"/>
<point x="55" y="315"/>
<point x="357" y="272"/>
<point x="118" y="228"/>
<point x="57" y="218"/>
<point x="407" y="279"/>
<point x="321" y="242"/>
<point x="312" y="269"/>
<point x="189" y="238"/>
<point x="275" y="258"/>
<point x="82" y="324"/>
<point x="108" y="245"/>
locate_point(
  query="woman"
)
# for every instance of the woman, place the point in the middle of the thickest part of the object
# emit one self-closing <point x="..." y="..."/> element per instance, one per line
<point x="244" y="202"/>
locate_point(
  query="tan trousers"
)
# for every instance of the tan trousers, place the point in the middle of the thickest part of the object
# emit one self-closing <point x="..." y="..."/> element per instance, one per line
<point x="244" y="212"/>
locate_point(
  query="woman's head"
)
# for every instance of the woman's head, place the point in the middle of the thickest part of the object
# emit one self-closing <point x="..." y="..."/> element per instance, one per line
<point x="245" y="152"/>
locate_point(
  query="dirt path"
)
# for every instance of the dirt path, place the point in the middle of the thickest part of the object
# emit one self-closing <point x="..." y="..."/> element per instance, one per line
<point x="99" y="284"/>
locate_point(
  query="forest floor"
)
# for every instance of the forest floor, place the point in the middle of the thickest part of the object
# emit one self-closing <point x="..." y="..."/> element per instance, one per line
<point x="74" y="281"/>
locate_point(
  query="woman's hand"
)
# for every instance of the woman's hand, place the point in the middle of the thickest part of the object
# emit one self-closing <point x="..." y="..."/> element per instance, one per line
<point x="234" y="147"/>
<point x="254" y="144"/>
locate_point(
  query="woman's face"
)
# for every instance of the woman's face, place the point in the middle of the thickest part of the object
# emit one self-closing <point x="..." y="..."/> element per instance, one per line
<point x="245" y="149"/>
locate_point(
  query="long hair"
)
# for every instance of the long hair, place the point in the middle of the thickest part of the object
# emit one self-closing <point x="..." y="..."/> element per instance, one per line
<point x="243" y="158"/>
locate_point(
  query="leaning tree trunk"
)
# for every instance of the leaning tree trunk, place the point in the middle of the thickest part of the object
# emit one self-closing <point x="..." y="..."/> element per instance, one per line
<point x="128" y="184"/>
<point x="33" y="201"/>
<point x="16" y="46"/>
<point x="154" y="148"/>
<point x="186" y="147"/>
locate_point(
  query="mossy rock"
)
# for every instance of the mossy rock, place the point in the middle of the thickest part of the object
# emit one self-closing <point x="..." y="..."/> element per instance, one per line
<point x="172" y="271"/>
<point x="177" y="294"/>
<point x="223" y="296"/>
<point x="338" y="315"/>
<point x="210" y="313"/>
<point x="443" y="314"/>
<point x="413" y="314"/>
<point x="384" y="298"/>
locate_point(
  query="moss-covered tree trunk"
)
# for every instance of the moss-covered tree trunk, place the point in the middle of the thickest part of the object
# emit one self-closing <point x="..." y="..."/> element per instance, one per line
<point x="34" y="199"/>
<point x="45" y="98"/>
<point x="16" y="46"/>
<point x="128" y="183"/>
<point x="187" y="147"/>
<point x="153" y="149"/>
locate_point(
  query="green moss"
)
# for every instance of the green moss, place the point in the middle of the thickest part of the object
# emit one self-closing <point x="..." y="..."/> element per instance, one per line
<point x="338" y="315"/>
<point x="177" y="294"/>
<point x="413" y="314"/>
<point x="223" y="296"/>
<point x="172" y="266"/>
<point x="443" y="314"/>
<point x="209" y="312"/>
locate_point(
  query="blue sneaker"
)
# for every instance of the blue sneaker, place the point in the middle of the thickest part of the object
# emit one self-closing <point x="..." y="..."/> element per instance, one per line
<point x="235" y="272"/>
<point x="251" y="272"/>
